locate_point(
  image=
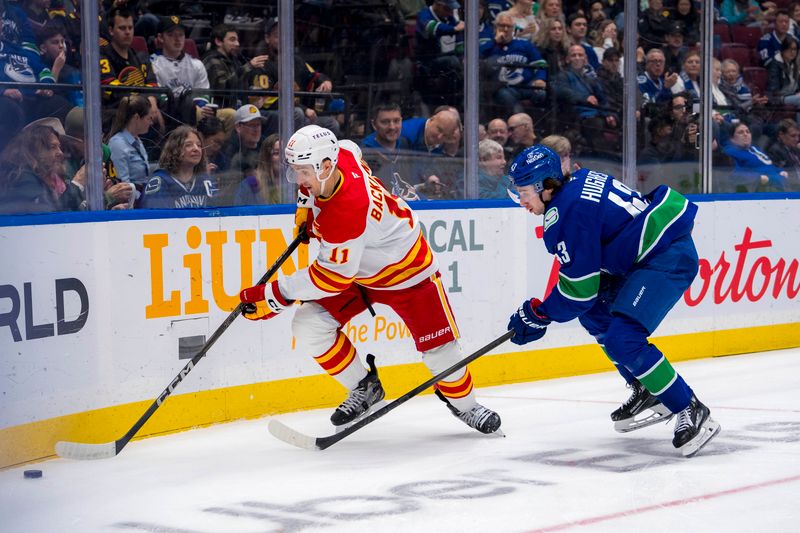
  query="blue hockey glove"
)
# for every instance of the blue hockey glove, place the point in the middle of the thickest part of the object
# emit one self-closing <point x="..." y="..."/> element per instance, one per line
<point x="527" y="324"/>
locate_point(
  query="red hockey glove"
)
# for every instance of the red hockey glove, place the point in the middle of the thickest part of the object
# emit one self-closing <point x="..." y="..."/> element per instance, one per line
<point x="263" y="302"/>
<point x="528" y="324"/>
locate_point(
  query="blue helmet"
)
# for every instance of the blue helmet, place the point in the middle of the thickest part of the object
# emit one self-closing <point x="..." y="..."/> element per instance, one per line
<point x="534" y="165"/>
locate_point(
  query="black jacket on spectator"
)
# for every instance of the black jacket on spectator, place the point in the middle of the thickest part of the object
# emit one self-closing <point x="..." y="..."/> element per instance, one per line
<point x="28" y="193"/>
<point x="226" y="72"/>
<point x="782" y="79"/>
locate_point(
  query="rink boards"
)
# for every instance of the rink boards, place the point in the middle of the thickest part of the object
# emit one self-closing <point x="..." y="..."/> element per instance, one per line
<point x="97" y="317"/>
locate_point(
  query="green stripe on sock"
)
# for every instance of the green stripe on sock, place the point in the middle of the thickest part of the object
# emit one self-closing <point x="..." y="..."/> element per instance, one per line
<point x="658" y="377"/>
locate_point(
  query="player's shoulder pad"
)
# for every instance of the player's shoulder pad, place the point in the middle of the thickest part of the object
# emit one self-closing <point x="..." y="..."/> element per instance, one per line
<point x="153" y="186"/>
<point x="351" y="147"/>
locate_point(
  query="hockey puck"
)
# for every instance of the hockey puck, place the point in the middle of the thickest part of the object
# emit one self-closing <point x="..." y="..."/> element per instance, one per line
<point x="32" y="474"/>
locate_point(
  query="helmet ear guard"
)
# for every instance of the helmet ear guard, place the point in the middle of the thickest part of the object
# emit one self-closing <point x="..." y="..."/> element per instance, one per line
<point x="534" y="165"/>
<point x="311" y="145"/>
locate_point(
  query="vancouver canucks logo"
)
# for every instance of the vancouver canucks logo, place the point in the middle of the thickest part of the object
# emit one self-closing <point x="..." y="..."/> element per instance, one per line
<point x="550" y="217"/>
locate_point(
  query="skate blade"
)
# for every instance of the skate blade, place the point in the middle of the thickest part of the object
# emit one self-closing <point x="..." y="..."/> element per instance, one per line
<point x="708" y="431"/>
<point x="656" y="415"/>
<point x="498" y="433"/>
<point x="372" y="409"/>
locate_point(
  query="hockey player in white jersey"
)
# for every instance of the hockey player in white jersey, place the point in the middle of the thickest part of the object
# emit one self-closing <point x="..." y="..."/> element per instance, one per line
<point x="371" y="251"/>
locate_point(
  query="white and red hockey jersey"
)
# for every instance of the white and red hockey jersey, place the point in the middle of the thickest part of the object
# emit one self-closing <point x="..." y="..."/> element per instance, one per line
<point x="367" y="236"/>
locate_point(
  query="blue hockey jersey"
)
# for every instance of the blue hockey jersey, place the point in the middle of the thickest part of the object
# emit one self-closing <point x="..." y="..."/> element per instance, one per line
<point x="509" y="60"/>
<point x="165" y="192"/>
<point x="597" y="224"/>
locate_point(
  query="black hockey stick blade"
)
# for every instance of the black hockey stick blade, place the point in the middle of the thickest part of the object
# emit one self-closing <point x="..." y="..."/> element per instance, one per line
<point x="83" y="451"/>
<point x="291" y="436"/>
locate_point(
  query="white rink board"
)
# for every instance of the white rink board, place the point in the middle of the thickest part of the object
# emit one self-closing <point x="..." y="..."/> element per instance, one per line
<point x="490" y="261"/>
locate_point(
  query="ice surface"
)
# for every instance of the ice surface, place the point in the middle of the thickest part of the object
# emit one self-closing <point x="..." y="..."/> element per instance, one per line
<point x="561" y="467"/>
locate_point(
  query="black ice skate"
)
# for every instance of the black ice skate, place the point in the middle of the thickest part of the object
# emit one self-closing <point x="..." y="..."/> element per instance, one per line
<point x="694" y="428"/>
<point x="642" y="409"/>
<point x="367" y="393"/>
<point x="479" y="417"/>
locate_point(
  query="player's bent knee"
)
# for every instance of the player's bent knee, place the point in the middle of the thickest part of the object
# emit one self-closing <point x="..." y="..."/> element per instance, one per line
<point x="314" y="328"/>
<point x="625" y="339"/>
<point x="443" y="357"/>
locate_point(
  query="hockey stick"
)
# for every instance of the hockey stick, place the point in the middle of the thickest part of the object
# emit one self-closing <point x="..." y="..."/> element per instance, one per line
<point x="295" y="438"/>
<point x="79" y="450"/>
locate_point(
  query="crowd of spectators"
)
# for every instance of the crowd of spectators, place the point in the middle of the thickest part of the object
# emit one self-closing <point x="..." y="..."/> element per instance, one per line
<point x="190" y="105"/>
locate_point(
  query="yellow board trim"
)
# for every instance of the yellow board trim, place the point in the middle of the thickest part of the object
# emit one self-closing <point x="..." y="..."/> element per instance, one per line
<point x="36" y="441"/>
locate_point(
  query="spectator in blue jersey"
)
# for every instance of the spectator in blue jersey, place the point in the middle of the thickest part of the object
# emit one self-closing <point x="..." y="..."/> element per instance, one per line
<point x="485" y="23"/>
<point x="753" y="169"/>
<point x="579" y="89"/>
<point x="15" y="27"/>
<point x="439" y="39"/>
<point x="53" y="48"/>
<point x="577" y="26"/>
<point x="514" y="66"/>
<point x="770" y="43"/>
<point x="625" y="260"/>
<point x="492" y="178"/>
<point x="428" y="135"/>
<point x="653" y="84"/>
<point x="182" y="180"/>
<point x="385" y="150"/>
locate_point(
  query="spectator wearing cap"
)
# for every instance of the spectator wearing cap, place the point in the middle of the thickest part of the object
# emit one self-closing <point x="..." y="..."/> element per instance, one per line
<point x="770" y="43"/>
<point x="674" y="48"/>
<point x="182" y="74"/>
<point x="306" y="79"/>
<point x="117" y="193"/>
<point x="610" y="78"/>
<point x="242" y="150"/>
<point x="226" y="68"/>
<point x="439" y="47"/>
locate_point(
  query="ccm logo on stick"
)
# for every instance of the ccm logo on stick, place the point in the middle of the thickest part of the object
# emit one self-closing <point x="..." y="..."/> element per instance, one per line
<point x="10" y="295"/>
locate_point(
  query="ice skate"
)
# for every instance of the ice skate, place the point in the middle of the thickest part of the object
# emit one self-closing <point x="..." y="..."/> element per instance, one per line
<point x="694" y="428"/>
<point x="478" y="417"/>
<point x="642" y="409"/>
<point x="364" y="396"/>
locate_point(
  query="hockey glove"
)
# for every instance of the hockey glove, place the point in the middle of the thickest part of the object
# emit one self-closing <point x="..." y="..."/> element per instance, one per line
<point x="263" y="302"/>
<point x="303" y="216"/>
<point x="528" y="325"/>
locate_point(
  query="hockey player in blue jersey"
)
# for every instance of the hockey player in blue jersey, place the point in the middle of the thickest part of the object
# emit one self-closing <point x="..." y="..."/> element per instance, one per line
<point x="625" y="259"/>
